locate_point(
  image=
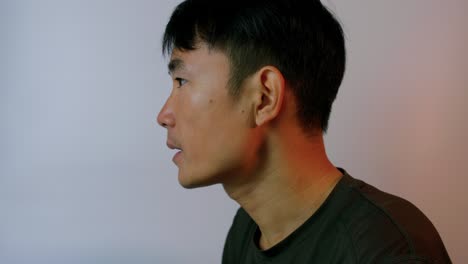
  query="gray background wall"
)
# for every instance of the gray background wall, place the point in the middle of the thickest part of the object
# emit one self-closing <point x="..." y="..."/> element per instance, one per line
<point x="85" y="176"/>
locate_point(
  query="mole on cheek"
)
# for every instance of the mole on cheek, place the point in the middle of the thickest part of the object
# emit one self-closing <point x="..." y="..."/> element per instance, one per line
<point x="211" y="101"/>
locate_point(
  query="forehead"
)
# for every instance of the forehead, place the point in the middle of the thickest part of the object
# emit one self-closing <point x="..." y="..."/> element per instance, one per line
<point x="200" y="59"/>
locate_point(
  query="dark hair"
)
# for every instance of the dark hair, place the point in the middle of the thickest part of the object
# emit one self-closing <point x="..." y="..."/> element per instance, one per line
<point x="299" y="37"/>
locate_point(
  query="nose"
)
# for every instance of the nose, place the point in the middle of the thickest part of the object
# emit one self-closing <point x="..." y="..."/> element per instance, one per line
<point x="166" y="115"/>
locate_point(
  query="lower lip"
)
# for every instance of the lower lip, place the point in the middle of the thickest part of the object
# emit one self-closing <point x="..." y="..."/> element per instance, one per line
<point x="177" y="156"/>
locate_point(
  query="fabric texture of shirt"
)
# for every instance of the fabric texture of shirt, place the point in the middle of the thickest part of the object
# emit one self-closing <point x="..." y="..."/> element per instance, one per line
<point x="357" y="223"/>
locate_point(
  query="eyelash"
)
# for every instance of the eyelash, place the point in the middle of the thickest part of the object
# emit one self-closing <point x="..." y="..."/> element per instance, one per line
<point x="180" y="81"/>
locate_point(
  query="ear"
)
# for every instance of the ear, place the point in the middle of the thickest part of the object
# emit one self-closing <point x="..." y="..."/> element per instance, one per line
<point x="270" y="94"/>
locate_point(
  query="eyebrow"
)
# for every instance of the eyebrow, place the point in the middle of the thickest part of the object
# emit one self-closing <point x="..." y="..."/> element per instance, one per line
<point x="175" y="65"/>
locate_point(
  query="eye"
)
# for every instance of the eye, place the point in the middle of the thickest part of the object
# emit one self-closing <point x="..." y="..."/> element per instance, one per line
<point x="180" y="81"/>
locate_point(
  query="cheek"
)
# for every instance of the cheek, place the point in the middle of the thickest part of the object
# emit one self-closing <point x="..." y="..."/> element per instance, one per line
<point x="210" y="124"/>
<point x="195" y="106"/>
<point x="191" y="112"/>
<point x="197" y="126"/>
<point x="228" y="136"/>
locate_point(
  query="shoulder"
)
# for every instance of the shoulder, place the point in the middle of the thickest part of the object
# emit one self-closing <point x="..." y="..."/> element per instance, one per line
<point x="382" y="226"/>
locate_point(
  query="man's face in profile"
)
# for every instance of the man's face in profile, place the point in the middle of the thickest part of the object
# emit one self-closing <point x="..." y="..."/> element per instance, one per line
<point x="203" y="121"/>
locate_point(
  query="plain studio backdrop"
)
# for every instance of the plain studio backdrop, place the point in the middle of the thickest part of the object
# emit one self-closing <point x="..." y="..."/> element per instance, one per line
<point x="85" y="175"/>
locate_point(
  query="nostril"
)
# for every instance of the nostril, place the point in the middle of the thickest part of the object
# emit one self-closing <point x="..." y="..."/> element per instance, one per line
<point x="161" y="121"/>
<point x="166" y="122"/>
<point x="166" y="118"/>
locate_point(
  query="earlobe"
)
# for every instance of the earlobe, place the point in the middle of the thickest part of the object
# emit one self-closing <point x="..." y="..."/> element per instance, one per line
<point x="270" y="95"/>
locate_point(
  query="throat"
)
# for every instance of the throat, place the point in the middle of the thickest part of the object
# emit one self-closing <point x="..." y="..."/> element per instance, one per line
<point x="280" y="217"/>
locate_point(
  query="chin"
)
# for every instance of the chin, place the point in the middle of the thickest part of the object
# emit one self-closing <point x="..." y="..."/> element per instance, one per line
<point x="193" y="185"/>
<point x="191" y="181"/>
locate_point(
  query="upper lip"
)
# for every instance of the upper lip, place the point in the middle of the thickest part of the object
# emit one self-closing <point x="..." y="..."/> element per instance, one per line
<point x="171" y="145"/>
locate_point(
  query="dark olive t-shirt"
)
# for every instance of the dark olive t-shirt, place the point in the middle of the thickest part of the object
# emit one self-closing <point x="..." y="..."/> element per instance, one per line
<point x="357" y="223"/>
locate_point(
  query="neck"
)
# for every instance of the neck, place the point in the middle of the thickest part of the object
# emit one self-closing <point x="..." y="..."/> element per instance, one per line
<point x="294" y="181"/>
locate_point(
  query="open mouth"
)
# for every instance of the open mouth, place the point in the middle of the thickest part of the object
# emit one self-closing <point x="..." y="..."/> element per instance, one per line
<point x="177" y="157"/>
<point x="178" y="154"/>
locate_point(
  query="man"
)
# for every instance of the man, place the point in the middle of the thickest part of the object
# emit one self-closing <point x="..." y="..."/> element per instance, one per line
<point x="253" y="86"/>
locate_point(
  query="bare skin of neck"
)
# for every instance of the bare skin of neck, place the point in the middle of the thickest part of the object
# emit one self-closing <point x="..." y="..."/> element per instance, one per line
<point x="294" y="180"/>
